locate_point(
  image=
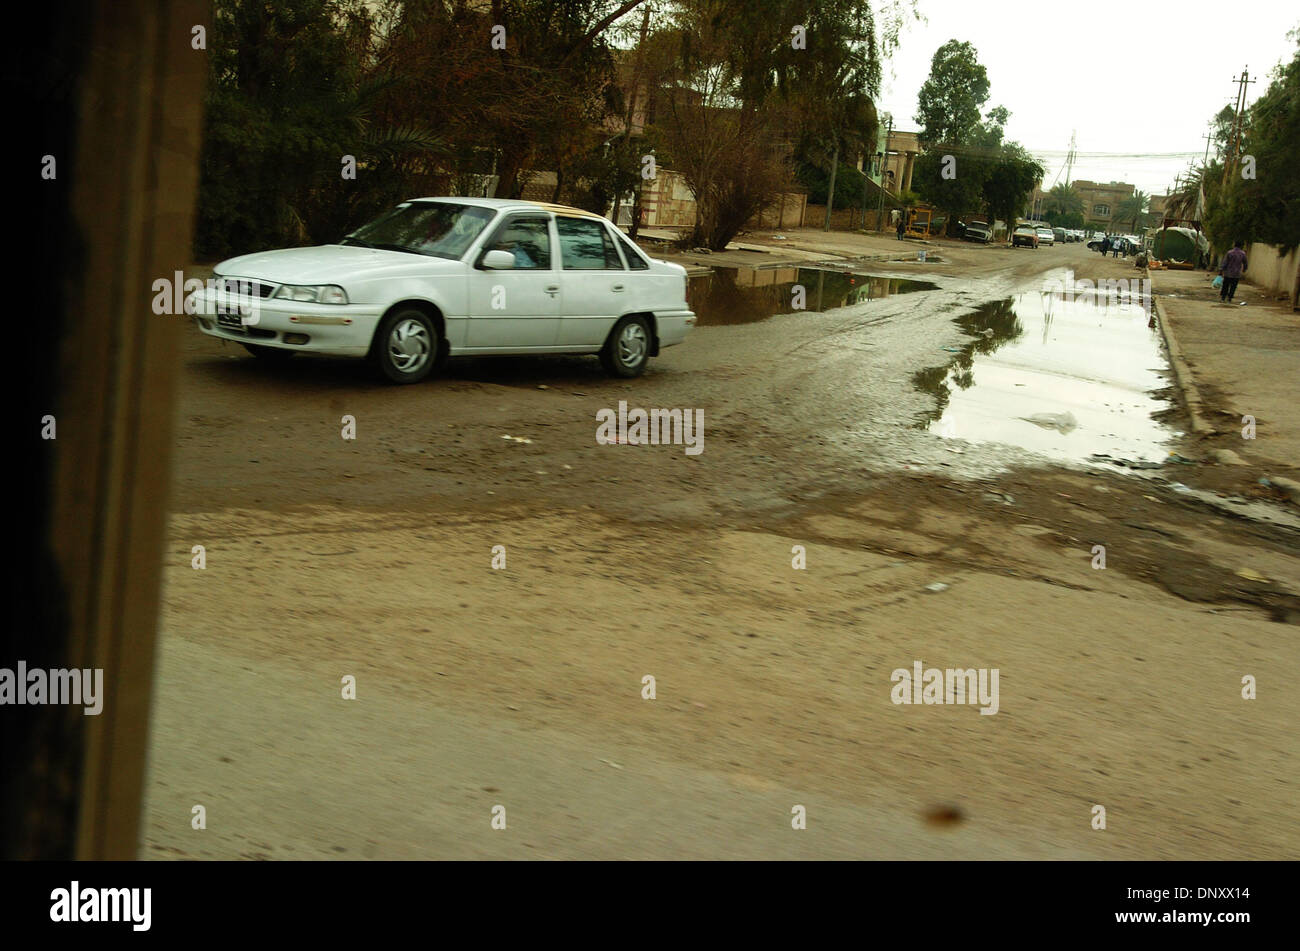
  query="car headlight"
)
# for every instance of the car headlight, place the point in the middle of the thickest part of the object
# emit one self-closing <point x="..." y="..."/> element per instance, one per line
<point x="313" y="293"/>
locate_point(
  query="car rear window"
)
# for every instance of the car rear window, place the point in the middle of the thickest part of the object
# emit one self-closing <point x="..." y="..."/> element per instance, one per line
<point x="634" y="259"/>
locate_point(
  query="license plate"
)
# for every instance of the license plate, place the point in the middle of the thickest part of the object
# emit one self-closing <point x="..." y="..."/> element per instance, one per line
<point x="230" y="317"/>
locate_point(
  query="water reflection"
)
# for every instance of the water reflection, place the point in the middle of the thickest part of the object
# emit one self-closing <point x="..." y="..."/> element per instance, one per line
<point x="992" y="326"/>
<point x="746" y="295"/>
<point x="1066" y="378"/>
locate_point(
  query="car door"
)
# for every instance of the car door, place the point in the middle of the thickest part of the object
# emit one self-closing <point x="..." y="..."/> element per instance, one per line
<point x="595" y="279"/>
<point x="513" y="309"/>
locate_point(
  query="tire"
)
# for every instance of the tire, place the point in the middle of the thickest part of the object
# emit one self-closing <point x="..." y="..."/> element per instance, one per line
<point x="407" y="346"/>
<point x="627" y="349"/>
<point x="270" y="355"/>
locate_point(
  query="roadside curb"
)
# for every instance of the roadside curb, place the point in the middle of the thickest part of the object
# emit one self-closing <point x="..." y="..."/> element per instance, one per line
<point x="1182" y="373"/>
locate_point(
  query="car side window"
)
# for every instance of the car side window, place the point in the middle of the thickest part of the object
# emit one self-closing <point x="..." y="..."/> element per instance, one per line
<point x="528" y="239"/>
<point x="634" y="260"/>
<point x="585" y="245"/>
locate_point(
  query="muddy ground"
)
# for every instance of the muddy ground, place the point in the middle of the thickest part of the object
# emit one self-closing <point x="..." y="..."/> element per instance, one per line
<point x="523" y="687"/>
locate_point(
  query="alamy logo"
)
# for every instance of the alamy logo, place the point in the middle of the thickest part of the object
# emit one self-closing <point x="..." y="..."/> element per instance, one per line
<point x="636" y="427"/>
<point x="936" y="685"/>
<point x="1107" y="292"/>
<point x="102" y="904"/>
<point x="38" y="686"/>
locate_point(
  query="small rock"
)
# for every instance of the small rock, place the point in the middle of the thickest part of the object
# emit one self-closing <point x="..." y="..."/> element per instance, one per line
<point x="1290" y="486"/>
<point x="1226" y="457"/>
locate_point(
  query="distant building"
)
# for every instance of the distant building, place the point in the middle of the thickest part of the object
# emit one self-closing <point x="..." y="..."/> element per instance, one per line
<point x="893" y="161"/>
<point x="1101" y="202"/>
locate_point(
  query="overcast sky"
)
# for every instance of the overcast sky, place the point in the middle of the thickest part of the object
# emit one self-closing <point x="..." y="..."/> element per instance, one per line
<point x="1058" y="66"/>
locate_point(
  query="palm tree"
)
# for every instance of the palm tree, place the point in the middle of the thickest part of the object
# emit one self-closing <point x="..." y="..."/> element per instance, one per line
<point x="1133" y="209"/>
<point x="1063" y="200"/>
<point x="1187" y="199"/>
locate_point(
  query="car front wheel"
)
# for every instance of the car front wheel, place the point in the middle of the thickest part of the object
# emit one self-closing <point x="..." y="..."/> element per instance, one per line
<point x="406" y="346"/>
<point x="627" y="351"/>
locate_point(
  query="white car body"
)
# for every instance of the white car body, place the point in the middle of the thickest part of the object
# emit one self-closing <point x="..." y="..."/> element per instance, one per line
<point x="1045" y="236"/>
<point x="479" y="309"/>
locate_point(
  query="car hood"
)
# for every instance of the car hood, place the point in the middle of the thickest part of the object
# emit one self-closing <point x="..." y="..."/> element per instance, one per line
<point x="332" y="264"/>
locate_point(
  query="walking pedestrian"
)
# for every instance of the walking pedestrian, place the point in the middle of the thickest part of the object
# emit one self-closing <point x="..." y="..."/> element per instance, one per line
<point x="1232" y="268"/>
<point x="1105" y="246"/>
<point x="902" y="226"/>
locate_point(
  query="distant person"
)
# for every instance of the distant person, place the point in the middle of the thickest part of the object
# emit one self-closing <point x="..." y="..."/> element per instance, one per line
<point x="1232" y="268"/>
<point x="1114" y="248"/>
<point x="902" y="226"/>
<point x="1105" y="246"/>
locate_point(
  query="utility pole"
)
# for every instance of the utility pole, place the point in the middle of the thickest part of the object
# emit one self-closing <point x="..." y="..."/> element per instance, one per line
<point x="1069" y="159"/>
<point x="1208" y="137"/>
<point x="830" y="188"/>
<point x="884" y="160"/>
<point x="1234" y="142"/>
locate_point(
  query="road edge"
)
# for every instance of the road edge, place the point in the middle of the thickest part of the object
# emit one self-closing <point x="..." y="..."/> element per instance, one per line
<point x="1182" y="372"/>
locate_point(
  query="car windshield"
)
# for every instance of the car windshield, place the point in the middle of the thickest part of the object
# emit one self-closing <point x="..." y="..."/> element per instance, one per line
<point x="438" y="229"/>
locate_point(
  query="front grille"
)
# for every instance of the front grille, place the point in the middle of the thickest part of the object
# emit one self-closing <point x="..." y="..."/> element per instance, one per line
<point x="245" y="288"/>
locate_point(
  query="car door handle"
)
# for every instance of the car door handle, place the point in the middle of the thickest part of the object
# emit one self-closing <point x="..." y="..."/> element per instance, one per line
<point x="617" y="287"/>
<point x="552" y="289"/>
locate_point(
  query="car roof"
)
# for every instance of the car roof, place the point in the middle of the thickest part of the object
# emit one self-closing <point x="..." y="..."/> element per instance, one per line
<point x="512" y="204"/>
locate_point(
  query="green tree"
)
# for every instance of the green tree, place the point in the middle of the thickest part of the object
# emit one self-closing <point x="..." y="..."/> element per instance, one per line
<point x="1063" y="200"/>
<point x="1258" y="197"/>
<point x="1010" y="182"/>
<point x="289" y="96"/>
<point x="745" y="87"/>
<point x="1132" y="210"/>
<point x="953" y="96"/>
<point x="961" y="149"/>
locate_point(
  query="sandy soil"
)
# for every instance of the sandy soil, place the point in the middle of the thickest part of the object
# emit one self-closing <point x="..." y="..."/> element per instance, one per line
<point x="522" y="687"/>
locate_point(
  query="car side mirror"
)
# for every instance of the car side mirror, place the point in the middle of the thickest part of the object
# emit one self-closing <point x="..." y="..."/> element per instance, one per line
<point x="499" y="260"/>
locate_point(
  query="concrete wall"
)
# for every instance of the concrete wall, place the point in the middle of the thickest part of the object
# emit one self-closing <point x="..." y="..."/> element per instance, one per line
<point x="842" y="219"/>
<point x="788" y="211"/>
<point x="1273" y="271"/>
<point x="666" y="202"/>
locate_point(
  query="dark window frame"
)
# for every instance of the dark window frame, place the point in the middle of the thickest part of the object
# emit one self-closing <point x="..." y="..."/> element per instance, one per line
<point x="508" y="221"/>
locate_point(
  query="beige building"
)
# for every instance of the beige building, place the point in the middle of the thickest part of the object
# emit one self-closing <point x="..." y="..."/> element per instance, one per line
<point x="901" y="149"/>
<point x="1100" y="202"/>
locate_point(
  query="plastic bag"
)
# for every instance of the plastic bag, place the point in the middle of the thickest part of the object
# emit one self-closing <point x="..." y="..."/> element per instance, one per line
<point x="1218" y="281"/>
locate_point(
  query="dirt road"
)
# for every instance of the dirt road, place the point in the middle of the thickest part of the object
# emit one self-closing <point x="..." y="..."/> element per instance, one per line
<point x="523" y="686"/>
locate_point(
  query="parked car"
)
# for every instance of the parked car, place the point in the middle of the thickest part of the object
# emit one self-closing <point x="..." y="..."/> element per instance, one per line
<point x="1045" y="236"/>
<point x="1058" y="234"/>
<point x="978" y="231"/>
<point x="1025" y="235"/>
<point x="442" y="277"/>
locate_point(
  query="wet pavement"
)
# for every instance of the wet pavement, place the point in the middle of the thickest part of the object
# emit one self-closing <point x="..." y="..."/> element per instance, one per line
<point x="1071" y="379"/>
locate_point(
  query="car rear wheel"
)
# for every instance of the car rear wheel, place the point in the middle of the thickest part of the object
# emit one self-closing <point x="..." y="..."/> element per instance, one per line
<point x="627" y="349"/>
<point x="268" y="354"/>
<point x="407" y="346"/>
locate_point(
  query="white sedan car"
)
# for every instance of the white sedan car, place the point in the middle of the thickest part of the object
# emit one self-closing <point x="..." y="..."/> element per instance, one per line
<point x="444" y="277"/>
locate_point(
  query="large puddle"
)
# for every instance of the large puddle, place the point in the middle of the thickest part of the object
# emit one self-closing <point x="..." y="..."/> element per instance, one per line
<point x="748" y="295"/>
<point x="1071" y="379"/>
